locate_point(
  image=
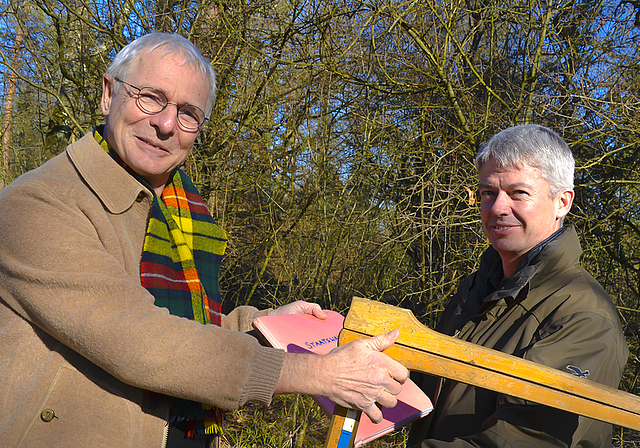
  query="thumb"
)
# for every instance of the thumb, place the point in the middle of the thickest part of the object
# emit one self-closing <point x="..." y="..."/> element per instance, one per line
<point x="318" y="312"/>
<point x="382" y="342"/>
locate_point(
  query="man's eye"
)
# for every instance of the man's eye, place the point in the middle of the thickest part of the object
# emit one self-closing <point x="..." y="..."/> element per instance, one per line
<point x="151" y="98"/>
<point x="189" y="113"/>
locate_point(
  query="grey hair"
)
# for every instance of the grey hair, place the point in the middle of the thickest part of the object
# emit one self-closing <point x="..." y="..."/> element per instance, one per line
<point x="172" y="44"/>
<point x="536" y="146"/>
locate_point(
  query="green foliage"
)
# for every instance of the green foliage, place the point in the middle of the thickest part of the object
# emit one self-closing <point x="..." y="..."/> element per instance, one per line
<point x="290" y="422"/>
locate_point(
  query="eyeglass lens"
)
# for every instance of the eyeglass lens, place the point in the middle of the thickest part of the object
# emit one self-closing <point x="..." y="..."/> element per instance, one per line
<point x="154" y="101"/>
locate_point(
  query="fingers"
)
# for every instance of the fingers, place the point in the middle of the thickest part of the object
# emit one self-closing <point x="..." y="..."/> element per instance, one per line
<point x="398" y="372"/>
<point x="387" y="400"/>
<point x="301" y="307"/>
<point x="362" y="376"/>
<point x="356" y="375"/>
<point x="382" y="342"/>
<point x="374" y="413"/>
<point x="316" y="310"/>
<point x="393" y="386"/>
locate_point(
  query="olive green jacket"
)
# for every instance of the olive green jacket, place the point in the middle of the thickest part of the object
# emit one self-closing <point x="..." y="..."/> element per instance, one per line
<point x="81" y="341"/>
<point x="551" y="312"/>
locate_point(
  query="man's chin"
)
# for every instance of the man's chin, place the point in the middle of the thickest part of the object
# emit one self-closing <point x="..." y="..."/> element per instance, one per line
<point x="506" y="247"/>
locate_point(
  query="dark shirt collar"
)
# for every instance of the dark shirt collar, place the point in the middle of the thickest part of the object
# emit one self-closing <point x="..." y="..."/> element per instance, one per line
<point x="528" y="258"/>
<point x="533" y="253"/>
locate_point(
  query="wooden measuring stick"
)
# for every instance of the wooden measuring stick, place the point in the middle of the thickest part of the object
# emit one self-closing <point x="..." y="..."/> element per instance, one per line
<point x="344" y="425"/>
<point x="424" y="350"/>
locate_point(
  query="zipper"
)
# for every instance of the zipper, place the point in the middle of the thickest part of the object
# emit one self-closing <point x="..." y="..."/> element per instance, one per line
<point x="165" y="435"/>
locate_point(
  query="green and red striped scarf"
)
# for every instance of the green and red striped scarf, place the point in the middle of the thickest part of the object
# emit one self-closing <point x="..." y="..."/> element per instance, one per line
<point x="180" y="264"/>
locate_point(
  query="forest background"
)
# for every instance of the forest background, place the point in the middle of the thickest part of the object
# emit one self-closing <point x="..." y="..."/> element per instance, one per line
<point x="339" y="155"/>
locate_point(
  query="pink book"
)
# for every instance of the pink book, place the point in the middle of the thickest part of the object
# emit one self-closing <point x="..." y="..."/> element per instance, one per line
<point x="303" y="333"/>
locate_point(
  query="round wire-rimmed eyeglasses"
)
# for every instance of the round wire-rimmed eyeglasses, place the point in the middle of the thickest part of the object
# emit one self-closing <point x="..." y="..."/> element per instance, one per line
<point x="154" y="101"/>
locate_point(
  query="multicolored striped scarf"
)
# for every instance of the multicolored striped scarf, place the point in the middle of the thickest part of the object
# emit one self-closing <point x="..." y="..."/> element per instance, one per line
<point x="180" y="263"/>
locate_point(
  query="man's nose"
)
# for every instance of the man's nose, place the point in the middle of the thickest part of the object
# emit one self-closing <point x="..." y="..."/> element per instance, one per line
<point x="501" y="205"/>
<point x="167" y="119"/>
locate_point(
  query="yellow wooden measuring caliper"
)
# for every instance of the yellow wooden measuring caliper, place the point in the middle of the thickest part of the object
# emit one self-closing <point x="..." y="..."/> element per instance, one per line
<point x="424" y="350"/>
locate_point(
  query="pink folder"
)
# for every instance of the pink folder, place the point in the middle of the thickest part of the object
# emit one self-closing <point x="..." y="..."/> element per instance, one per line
<point x="303" y="333"/>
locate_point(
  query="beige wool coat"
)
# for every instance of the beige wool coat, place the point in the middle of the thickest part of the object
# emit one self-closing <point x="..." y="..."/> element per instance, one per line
<point x="81" y="341"/>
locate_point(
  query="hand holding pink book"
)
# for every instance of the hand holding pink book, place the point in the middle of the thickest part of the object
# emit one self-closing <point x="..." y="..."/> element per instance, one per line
<point x="303" y="333"/>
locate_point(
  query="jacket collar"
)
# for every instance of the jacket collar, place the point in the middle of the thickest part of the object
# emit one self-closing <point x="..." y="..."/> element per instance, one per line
<point x="111" y="183"/>
<point x="543" y="269"/>
<point x="556" y="257"/>
<point x="533" y="253"/>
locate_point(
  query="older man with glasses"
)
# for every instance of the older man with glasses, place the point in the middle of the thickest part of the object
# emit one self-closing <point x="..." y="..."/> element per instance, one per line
<point x="111" y="332"/>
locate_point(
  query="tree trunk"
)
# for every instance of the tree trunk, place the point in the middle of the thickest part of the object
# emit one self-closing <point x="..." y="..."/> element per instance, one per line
<point x="8" y="108"/>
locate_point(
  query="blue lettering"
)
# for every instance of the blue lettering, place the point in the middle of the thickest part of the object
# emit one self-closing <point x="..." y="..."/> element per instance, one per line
<point x="312" y="344"/>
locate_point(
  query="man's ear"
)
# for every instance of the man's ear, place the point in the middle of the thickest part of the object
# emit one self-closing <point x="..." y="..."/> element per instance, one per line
<point x="564" y="202"/>
<point x="107" y="94"/>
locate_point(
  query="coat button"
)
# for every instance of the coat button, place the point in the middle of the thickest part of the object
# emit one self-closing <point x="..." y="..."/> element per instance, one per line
<point x="47" y="415"/>
<point x="140" y="197"/>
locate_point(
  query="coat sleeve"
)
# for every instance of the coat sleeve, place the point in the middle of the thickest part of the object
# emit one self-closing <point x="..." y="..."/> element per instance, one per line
<point x="64" y="268"/>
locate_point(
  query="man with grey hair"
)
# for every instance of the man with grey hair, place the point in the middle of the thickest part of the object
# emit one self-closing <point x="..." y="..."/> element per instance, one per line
<point x="111" y="331"/>
<point x="529" y="298"/>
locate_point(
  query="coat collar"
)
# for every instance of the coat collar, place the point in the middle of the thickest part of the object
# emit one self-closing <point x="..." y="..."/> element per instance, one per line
<point x="111" y="183"/>
<point x="543" y="271"/>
